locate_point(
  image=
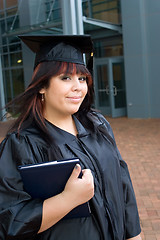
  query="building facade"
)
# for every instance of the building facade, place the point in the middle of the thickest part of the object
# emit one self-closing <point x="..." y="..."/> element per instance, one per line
<point x="126" y="49"/>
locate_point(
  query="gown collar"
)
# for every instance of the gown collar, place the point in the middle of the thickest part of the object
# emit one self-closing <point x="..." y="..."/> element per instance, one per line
<point x="61" y="136"/>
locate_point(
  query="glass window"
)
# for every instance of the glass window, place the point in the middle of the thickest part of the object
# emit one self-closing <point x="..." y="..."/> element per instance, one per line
<point x="14" y="47"/>
<point x="55" y="8"/>
<point x="2" y="26"/>
<point x="108" y="10"/>
<point x="5" y="61"/>
<point x="119" y="84"/>
<point x="103" y="96"/>
<point x="13" y="39"/>
<point x="1" y="4"/>
<point x="10" y="22"/>
<point x="10" y="3"/>
<point x="5" y="49"/>
<point x="16" y="59"/>
<point x="109" y="47"/>
<point x="7" y="86"/>
<point x="13" y="83"/>
<point x="11" y="11"/>
<point x="1" y="13"/>
<point x="18" y="81"/>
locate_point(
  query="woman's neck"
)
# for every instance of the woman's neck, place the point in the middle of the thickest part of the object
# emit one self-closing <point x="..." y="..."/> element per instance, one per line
<point x="66" y="123"/>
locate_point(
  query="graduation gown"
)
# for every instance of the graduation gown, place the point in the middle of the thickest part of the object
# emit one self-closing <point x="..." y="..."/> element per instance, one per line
<point x="114" y="210"/>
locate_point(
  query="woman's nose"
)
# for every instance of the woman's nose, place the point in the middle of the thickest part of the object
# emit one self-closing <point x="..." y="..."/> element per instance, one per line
<point x="76" y="84"/>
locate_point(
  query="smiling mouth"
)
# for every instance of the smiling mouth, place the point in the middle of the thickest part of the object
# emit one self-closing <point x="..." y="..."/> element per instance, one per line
<point x="75" y="99"/>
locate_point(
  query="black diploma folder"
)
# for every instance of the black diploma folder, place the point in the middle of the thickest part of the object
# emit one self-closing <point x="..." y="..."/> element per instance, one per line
<point x="46" y="180"/>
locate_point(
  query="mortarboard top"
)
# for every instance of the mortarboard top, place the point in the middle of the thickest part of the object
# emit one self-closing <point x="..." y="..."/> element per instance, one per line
<point x="65" y="48"/>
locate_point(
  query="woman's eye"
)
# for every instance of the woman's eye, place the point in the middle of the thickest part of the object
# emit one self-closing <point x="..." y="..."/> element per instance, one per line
<point x="65" y="78"/>
<point x="82" y="78"/>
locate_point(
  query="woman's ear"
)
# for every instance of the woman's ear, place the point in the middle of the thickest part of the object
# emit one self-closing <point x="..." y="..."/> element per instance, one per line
<point x="42" y="91"/>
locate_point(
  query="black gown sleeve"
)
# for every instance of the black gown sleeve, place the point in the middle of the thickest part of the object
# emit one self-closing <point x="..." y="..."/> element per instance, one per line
<point x="132" y="224"/>
<point x="20" y="215"/>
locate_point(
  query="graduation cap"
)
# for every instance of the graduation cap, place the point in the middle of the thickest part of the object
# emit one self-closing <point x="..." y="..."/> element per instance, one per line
<point x="63" y="48"/>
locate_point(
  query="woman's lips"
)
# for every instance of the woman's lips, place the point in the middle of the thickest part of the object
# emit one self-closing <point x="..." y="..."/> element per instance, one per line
<point x="74" y="99"/>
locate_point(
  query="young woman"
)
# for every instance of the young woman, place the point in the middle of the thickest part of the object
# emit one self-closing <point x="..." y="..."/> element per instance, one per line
<point x="56" y="122"/>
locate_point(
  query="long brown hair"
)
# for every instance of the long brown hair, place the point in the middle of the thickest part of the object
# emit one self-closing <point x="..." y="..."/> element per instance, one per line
<point x="29" y="105"/>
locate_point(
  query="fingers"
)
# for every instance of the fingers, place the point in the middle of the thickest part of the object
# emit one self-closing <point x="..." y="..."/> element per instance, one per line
<point x="80" y="190"/>
<point x="86" y="172"/>
<point x="76" y="171"/>
<point x="89" y="181"/>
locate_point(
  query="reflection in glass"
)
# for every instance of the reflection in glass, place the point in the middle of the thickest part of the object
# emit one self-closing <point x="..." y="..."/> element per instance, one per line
<point x="5" y="49"/>
<point x="102" y="75"/>
<point x="1" y="12"/>
<point x="55" y="8"/>
<point x="7" y="86"/>
<point x="109" y="47"/>
<point x="119" y="83"/>
<point x="5" y="61"/>
<point x="11" y="3"/>
<point x="16" y="59"/>
<point x="1" y="5"/>
<point x="13" y="83"/>
<point x="10" y="21"/>
<point x="108" y="11"/>
<point x="2" y="26"/>
<point x="11" y="11"/>
<point x="17" y="80"/>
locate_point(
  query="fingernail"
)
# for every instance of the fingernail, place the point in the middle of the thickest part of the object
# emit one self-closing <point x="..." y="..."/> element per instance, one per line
<point x="76" y="166"/>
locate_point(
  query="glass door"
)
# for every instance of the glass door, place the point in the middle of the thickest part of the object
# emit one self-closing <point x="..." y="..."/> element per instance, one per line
<point x="102" y="98"/>
<point x="110" y="95"/>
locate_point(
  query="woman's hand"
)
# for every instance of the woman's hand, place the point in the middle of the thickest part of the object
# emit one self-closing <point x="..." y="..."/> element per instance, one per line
<point x="79" y="190"/>
<point x="76" y="192"/>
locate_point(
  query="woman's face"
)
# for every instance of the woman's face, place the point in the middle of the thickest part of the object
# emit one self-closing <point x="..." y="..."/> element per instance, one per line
<point x="64" y="95"/>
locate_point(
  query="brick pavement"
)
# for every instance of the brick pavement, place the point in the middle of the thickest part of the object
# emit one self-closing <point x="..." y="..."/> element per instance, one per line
<point x="139" y="143"/>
